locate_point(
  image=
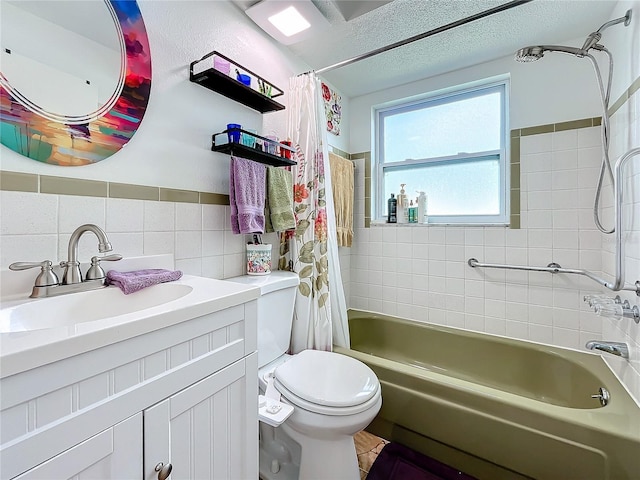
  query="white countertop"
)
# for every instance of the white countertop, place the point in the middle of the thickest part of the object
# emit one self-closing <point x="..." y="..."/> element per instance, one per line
<point x="24" y="350"/>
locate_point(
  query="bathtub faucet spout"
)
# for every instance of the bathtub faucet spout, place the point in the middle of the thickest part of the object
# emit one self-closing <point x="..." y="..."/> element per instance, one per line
<point x="615" y="348"/>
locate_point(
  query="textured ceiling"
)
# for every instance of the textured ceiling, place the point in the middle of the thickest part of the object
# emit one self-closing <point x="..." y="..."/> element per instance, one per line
<point x="541" y="21"/>
<point x="351" y="9"/>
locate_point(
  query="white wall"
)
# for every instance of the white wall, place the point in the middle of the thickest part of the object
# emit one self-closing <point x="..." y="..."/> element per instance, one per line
<point x="554" y="89"/>
<point x="341" y="141"/>
<point x="624" y="44"/>
<point x="53" y="54"/>
<point x="171" y="149"/>
<point x="172" y="146"/>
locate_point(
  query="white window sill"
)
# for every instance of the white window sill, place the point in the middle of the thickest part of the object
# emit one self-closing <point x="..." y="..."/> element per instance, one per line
<point x="378" y="223"/>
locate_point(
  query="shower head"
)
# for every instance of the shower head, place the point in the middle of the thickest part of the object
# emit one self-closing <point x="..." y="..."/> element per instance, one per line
<point x="536" y="52"/>
<point x="529" y="54"/>
<point x="533" y="53"/>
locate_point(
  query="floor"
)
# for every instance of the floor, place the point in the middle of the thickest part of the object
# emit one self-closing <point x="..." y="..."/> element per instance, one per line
<point x="368" y="447"/>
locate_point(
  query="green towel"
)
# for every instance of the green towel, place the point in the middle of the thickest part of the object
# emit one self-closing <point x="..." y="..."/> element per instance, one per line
<point x="279" y="203"/>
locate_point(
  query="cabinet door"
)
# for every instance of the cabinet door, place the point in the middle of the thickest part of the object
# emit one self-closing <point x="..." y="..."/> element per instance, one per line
<point x="113" y="453"/>
<point x="208" y="430"/>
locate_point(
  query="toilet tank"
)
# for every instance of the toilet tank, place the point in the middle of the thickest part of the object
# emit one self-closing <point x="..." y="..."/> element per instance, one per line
<point x="275" y="311"/>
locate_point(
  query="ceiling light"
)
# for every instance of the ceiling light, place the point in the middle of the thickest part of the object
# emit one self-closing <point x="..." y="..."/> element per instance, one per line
<point x="288" y="21"/>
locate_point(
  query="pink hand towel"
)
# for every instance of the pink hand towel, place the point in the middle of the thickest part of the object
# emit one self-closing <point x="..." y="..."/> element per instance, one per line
<point x="246" y="195"/>
<point x="130" y="282"/>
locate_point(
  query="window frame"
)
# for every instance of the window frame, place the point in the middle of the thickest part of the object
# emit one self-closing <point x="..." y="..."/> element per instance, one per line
<point x="433" y="99"/>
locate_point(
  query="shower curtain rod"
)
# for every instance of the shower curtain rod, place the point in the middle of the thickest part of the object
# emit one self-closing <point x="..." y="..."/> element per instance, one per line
<point x="444" y="28"/>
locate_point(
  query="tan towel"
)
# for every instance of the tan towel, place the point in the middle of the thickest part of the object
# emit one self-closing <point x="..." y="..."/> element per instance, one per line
<point x="342" y="180"/>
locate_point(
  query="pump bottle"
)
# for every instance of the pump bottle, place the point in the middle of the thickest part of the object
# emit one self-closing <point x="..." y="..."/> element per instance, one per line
<point x="422" y="208"/>
<point x="403" y="206"/>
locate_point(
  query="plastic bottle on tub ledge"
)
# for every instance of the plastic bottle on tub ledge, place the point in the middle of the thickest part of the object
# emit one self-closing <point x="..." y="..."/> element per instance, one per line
<point x="403" y="206"/>
<point x="392" y="209"/>
<point x="422" y="208"/>
<point x="413" y="212"/>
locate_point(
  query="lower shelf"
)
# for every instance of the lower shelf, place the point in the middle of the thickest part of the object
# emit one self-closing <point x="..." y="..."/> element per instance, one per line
<point x="243" y="151"/>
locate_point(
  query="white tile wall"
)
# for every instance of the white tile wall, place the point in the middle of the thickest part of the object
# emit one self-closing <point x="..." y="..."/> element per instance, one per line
<point x="625" y="126"/>
<point x="420" y="272"/>
<point x="199" y="236"/>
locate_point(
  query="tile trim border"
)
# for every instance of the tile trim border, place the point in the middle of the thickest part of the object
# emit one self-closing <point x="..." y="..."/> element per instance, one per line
<point x="626" y="95"/>
<point x="556" y="127"/>
<point x="34" y="183"/>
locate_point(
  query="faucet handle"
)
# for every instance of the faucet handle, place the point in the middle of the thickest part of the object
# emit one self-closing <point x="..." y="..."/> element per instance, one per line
<point x="95" y="271"/>
<point x="599" y="299"/>
<point x="47" y="276"/>
<point x="612" y="310"/>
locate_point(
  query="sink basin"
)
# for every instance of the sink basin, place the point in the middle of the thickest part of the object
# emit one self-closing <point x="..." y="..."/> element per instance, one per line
<point x="36" y="332"/>
<point x="84" y="307"/>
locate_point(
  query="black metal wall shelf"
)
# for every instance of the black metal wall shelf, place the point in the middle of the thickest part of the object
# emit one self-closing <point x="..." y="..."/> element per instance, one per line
<point x="231" y="88"/>
<point x="245" y="151"/>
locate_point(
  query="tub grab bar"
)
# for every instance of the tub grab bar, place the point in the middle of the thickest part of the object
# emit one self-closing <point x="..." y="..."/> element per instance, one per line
<point x="618" y="283"/>
<point x="555" y="268"/>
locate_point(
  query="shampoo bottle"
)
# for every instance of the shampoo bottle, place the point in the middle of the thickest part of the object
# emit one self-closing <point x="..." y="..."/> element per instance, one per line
<point x="413" y="213"/>
<point x="422" y="208"/>
<point x="392" y="209"/>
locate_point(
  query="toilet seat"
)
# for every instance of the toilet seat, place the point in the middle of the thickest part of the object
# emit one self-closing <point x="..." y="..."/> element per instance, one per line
<point x="291" y="398"/>
<point x="327" y="383"/>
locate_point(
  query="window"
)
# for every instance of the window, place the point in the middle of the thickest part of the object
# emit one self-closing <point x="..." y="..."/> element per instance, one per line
<point x="451" y="146"/>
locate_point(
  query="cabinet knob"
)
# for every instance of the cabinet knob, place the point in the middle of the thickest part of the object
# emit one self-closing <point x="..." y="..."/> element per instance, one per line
<point x="163" y="470"/>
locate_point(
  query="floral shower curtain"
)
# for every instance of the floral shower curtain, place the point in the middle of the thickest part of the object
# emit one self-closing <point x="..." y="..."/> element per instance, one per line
<point x="311" y="250"/>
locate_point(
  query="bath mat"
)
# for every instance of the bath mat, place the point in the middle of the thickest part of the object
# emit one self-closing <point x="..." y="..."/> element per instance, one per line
<point x="397" y="462"/>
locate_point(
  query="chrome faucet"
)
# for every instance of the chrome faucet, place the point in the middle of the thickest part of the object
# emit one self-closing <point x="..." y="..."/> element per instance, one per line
<point x="614" y="348"/>
<point x="72" y="272"/>
<point x="47" y="283"/>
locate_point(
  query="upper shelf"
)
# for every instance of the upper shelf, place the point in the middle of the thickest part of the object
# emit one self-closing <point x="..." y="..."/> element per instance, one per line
<point x="231" y="88"/>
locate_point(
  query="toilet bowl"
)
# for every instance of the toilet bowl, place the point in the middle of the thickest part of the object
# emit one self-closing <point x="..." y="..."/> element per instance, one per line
<point x="333" y="396"/>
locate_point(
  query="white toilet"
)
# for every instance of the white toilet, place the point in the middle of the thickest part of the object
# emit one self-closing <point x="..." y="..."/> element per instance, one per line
<point x="333" y="396"/>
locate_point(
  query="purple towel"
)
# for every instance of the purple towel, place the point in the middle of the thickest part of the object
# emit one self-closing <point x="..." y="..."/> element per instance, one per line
<point x="130" y="282"/>
<point x="246" y="195"/>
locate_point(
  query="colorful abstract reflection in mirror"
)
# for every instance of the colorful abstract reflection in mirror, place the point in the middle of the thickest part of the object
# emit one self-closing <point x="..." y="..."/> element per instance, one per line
<point x="69" y="143"/>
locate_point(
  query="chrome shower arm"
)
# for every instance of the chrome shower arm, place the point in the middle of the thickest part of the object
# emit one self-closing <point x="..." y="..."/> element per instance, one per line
<point x="594" y="37"/>
<point x="626" y="19"/>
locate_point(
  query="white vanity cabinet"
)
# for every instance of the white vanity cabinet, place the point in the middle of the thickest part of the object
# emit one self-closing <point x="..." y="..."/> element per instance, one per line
<point x="183" y="393"/>
<point x="113" y="453"/>
<point x="203" y="431"/>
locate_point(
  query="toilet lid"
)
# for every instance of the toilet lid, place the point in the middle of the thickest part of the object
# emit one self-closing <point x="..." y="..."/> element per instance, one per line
<point x="327" y="378"/>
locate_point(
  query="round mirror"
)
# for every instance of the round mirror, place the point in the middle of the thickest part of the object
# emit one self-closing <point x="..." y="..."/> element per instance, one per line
<point x="75" y="78"/>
